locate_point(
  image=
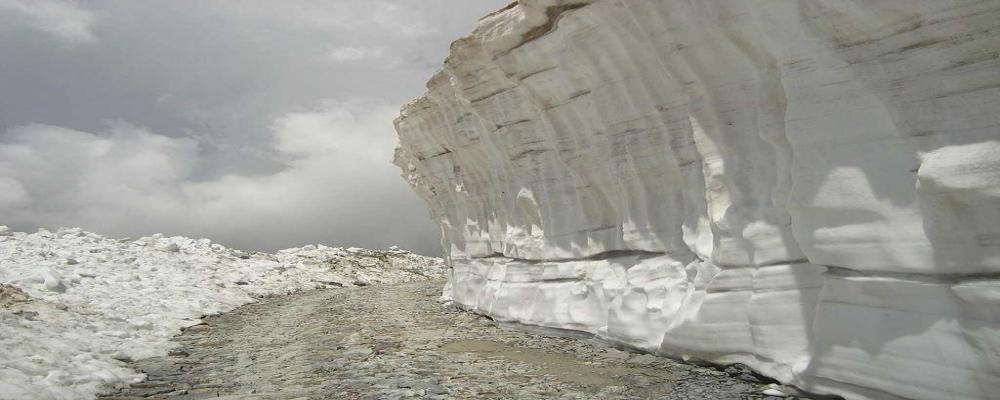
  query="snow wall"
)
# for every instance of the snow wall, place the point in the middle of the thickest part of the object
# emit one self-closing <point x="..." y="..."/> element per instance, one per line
<point x="811" y="188"/>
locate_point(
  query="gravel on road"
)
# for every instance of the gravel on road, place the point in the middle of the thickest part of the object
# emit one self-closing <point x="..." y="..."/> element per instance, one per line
<point x="399" y="341"/>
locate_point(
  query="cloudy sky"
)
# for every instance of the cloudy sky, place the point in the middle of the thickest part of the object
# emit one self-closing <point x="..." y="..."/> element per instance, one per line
<point x="260" y="124"/>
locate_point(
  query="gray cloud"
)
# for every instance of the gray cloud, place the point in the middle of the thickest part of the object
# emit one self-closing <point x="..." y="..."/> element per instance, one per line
<point x="260" y="124"/>
<point x="63" y="20"/>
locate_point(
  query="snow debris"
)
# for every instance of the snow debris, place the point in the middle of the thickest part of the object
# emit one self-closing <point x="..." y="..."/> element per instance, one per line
<point x="74" y="305"/>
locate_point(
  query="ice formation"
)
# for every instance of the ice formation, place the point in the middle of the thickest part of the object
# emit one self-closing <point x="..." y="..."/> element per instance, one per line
<point x="74" y="304"/>
<point x="810" y="188"/>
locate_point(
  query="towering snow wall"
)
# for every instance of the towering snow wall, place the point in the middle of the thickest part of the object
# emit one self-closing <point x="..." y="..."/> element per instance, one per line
<point x="811" y="188"/>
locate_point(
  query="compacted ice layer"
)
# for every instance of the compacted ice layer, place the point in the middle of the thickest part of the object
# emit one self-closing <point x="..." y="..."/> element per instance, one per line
<point x="808" y="325"/>
<point x="811" y="188"/>
<point x="74" y="304"/>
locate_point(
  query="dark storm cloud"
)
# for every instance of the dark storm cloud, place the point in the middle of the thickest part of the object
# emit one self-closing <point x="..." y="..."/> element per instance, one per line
<point x="261" y="124"/>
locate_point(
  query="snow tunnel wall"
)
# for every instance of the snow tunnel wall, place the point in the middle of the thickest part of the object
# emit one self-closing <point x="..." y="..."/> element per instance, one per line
<point x="811" y="188"/>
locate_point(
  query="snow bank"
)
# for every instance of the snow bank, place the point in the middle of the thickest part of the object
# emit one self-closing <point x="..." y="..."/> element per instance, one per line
<point x="73" y="304"/>
<point x="811" y="188"/>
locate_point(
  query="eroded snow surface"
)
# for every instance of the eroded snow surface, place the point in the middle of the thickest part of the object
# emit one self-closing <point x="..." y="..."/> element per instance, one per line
<point x="74" y="305"/>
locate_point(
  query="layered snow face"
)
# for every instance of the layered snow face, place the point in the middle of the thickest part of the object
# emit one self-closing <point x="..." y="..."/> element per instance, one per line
<point x="811" y="188"/>
<point x="74" y="304"/>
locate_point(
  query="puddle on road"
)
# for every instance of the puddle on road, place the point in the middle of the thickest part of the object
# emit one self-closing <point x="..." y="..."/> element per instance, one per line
<point x="565" y="367"/>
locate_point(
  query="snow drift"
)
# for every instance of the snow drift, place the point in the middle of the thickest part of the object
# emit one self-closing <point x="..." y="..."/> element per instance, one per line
<point x="810" y="188"/>
<point x="74" y="305"/>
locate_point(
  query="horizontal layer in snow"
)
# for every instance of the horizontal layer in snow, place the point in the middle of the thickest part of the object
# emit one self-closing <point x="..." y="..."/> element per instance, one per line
<point x="808" y="187"/>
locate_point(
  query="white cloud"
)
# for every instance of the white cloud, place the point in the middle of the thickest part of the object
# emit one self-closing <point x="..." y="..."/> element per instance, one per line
<point x="349" y="53"/>
<point x="337" y="175"/>
<point x="123" y="176"/>
<point x="129" y="181"/>
<point x="381" y="16"/>
<point x="363" y="129"/>
<point x="12" y="193"/>
<point x="265" y="167"/>
<point x="63" y="19"/>
<point x="394" y="18"/>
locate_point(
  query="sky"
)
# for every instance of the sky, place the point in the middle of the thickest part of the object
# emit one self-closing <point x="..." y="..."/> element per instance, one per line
<point x="258" y="124"/>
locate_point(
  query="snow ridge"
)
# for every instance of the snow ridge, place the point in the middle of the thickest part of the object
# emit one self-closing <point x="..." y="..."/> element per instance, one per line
<point x="74" y="304"/>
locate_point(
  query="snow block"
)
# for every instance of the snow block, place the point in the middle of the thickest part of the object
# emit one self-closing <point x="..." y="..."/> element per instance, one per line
<point x="809" y="188"/>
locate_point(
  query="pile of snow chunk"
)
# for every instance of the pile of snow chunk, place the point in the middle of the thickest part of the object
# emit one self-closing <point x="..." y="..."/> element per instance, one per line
<point x="75" y="305"/>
